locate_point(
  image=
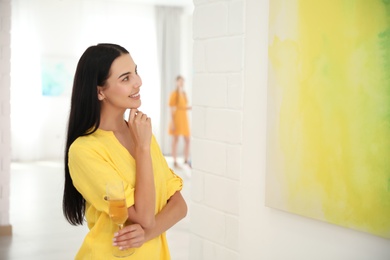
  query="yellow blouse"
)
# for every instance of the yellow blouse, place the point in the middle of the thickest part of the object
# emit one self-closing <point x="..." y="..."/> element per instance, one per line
<point x="98" y="158"/>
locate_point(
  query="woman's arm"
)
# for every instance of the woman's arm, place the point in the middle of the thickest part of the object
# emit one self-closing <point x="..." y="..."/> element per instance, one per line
<point x="142" y="212"/>
<point x="173" y="212"/>
<point x="144" y="195"/>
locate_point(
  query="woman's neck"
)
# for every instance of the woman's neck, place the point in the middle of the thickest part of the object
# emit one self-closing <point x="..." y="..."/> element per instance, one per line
<point x="111" y="121"/>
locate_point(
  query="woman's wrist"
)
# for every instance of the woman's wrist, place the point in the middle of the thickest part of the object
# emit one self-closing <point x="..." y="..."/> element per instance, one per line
<point x="148" y="234"/>
<point x="143" y="149"/>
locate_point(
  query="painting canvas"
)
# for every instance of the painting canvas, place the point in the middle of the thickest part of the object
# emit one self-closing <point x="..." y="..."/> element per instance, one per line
<point x="328" y="111"/>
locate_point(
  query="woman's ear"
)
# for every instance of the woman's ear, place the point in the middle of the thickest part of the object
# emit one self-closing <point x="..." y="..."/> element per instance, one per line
<point x="100" y="93"/>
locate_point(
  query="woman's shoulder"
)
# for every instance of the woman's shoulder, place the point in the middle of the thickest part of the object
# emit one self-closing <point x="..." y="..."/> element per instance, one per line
<point x="90" y="141"/>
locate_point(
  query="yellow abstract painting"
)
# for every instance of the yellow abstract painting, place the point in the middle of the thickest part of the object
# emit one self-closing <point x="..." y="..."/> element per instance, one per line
<point x="328" y="111"/>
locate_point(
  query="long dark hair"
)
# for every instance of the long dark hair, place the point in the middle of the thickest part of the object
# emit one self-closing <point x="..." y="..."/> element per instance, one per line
<point x="92" y="70"/>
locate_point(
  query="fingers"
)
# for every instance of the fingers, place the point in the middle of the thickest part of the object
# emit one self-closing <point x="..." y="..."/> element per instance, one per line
<point x="141" y="116"/>
<point x="132" y="115"/>
<point x="136" y="115"/>
<point x="132" y="236"/>
<point x="140" y="127"/>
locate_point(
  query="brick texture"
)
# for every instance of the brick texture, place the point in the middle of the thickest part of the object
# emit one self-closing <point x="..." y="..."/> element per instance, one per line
<point x="217" y="128"/>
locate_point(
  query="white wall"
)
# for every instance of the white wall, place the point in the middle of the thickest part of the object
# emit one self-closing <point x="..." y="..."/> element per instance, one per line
<point x="5" y="124"/>
<point x="217" y="129"/>
<point x="228" y="216"/>
<point x="61" y="31"/>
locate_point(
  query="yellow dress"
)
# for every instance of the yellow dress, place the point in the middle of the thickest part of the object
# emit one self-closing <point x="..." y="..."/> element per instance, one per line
<point x="179" y="101"/>
<point x="98" y="158"/>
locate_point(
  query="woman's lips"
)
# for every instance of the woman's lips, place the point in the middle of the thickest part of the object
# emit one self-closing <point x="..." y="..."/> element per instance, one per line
<point x="136" y="96"/>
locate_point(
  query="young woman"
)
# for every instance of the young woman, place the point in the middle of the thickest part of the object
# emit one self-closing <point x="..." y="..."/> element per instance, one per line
<point x="101" y="146"/>
<point x="179" y="122"/>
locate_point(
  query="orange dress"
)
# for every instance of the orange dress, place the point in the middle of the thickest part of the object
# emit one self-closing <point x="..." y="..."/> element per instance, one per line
<point x="178" y="101"/>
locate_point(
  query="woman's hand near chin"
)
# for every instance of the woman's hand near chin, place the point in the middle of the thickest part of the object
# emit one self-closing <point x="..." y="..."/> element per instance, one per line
<point x="140" y="126"/>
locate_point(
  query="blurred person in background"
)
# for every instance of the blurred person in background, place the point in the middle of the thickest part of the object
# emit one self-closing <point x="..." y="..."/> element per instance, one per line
<point x="179" y="121"/>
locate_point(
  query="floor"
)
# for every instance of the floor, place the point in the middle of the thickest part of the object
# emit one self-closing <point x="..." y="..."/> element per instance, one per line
<point x="39" y="229"/>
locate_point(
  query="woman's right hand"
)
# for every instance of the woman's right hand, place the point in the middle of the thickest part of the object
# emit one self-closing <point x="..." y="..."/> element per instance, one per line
<point x="140" y="126"/>
<point x="132" y="236"/>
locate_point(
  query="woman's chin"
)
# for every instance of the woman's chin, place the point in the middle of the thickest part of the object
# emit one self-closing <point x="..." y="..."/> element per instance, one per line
<point x="134" y="105"/>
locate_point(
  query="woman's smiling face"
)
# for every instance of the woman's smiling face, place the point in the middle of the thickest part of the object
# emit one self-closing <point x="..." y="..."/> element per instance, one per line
<point x="123" y="84"/>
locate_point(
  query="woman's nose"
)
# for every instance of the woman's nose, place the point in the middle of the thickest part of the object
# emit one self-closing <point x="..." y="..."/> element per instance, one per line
<point x="139" y="82"/>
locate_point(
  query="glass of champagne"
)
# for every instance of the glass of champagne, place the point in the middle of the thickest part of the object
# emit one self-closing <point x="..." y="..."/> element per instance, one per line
<point x="117" y="211"/>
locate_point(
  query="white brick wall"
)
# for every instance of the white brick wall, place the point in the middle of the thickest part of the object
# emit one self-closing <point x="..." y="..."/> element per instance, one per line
<point x="219" y="27"/>
<point x="217" y="128"/>
<point x="5" y="124"/>
<point x="229" y="150"/>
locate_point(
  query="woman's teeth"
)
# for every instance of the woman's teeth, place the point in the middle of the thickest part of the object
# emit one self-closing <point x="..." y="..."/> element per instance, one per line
<point x="135" y="95"/>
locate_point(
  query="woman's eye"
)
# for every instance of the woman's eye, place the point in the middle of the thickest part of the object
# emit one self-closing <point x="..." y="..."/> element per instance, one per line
<point x="136" y="70"/>
<point x="126" y="78"/>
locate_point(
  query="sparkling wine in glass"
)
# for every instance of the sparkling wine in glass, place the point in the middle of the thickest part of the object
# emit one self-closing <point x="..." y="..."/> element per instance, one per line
<point x="117" y="211"/>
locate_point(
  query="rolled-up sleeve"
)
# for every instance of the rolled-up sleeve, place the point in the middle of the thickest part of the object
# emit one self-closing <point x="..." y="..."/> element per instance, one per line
<point x="174" y="183"/>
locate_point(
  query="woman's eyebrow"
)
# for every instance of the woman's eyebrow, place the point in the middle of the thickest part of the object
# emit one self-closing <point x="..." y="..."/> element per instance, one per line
<point x="124" y="74"/>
